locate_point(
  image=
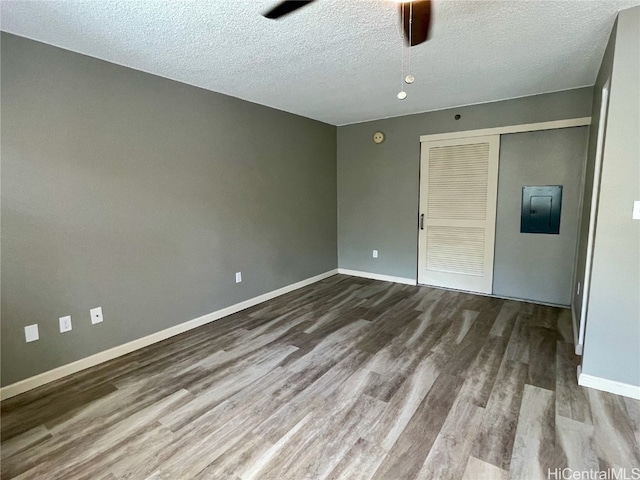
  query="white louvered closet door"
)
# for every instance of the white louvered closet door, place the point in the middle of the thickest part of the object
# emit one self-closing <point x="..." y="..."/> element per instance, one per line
<point x="458" y="191"/>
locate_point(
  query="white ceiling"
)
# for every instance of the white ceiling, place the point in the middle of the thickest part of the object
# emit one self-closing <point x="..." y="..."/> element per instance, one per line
<point x="338" y="61"/>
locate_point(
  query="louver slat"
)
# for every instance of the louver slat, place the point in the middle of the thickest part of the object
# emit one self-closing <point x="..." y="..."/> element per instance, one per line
<point x="456" y="250"/>
<point x="457" y="184"/>
<point x="457" y="190"/>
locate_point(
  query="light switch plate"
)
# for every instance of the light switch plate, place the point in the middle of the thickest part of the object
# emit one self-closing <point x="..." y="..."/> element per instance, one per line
<point x="375" y="254"/>
<point x="31" y="333"/>
<point x="636" y="210"/>
<point x="96" y="315"/>
<point x="238" y="277"/>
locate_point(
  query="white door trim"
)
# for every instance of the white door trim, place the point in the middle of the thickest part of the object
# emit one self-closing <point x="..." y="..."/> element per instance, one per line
<point x="595" y="195"/>
<point x="526" y="127"/>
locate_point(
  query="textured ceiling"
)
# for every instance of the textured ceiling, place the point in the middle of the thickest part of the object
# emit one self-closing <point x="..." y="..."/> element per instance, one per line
<point x="338" y="61"/>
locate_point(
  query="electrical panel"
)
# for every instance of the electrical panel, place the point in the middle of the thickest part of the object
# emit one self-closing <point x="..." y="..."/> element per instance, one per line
<point x="541" y="207"/>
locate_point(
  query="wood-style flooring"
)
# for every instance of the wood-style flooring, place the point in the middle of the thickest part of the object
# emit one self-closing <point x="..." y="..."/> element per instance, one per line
<point x="348" y="378"/>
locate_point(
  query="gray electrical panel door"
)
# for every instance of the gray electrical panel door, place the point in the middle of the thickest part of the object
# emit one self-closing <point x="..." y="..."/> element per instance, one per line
<point x="541" y="209"/>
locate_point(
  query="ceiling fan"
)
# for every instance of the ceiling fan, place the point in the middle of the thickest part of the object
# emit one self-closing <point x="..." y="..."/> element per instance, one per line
<point x="415" y="17"/>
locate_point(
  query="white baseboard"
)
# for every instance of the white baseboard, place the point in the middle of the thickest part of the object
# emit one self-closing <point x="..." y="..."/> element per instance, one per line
<point x="574" y="322"/>
<point x="377" y="276"/>
<point x="115" y="352"/>
<point x="611" y="386"/>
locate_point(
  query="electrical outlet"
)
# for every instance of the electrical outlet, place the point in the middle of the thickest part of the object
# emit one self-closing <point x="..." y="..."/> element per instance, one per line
<point x="31" y="333"/>
<point x="96" y="315"/>
<point x="65" y="324"/>
<point x="375" y="254"/>
<point x="636" y="210"/>
<point x="238" y="277"/>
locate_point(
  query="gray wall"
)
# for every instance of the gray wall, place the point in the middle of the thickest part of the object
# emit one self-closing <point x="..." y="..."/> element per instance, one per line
<point x="144" y="196"/>
<point x="612" y="339"/>
<point x="534" y="266"/>
<point x="378" y="184"/>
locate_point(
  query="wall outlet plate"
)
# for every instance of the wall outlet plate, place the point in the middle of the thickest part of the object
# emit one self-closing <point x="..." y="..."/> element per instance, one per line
<point x="375" y="254"/>
<point x="636" y="210"/>
<point x="96" y="315"/>
<point x="65" y="324"/>
<point x="31" y="333"/>
<point x="238" y="277"/>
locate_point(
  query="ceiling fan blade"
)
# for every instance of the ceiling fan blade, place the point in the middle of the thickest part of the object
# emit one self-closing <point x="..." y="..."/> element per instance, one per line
<point x="419" y="11"/>
<point x="286" y="7"/>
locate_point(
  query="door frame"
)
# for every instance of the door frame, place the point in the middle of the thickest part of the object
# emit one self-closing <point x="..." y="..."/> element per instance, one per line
<point x="525" y="127"/>
<point x="579" y="329"/>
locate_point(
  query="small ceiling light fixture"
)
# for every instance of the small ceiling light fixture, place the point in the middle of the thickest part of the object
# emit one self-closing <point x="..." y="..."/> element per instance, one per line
<point x="409" y="79"/>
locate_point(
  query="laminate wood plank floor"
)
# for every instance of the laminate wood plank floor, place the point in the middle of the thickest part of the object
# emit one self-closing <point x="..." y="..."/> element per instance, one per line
<point x="348" y="378"/>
